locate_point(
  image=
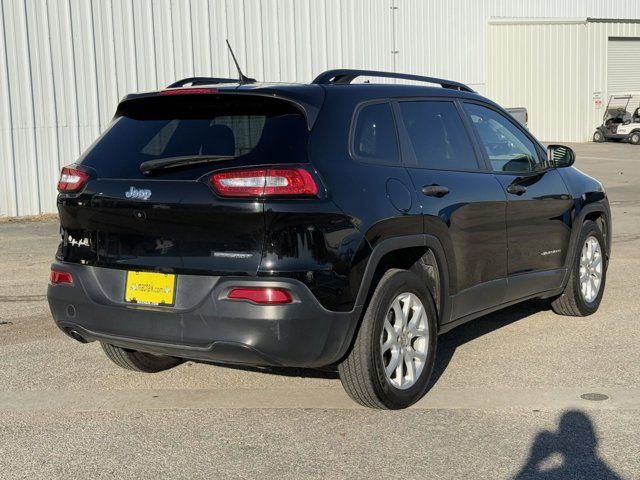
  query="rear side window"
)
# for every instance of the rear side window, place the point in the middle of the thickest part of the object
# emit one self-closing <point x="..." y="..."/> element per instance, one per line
<point x="375" y="139"/>
<point x="438" y="135"/>
<point x="254" y="130"/>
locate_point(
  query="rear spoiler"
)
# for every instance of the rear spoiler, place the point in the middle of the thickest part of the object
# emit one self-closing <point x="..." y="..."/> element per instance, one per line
<point x="308" y="101"/>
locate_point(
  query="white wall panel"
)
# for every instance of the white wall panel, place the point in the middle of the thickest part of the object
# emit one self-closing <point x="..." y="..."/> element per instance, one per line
<point x="556" y="70"/>
<point x="64" y="64"/>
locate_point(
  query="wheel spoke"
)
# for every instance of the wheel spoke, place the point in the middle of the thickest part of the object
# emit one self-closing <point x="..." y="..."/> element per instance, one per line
<point x="416" y="318"/>
<point x="419" y="332"/>
<point x="411" y="368"/>
<point x="393" y="364"/>
<point x="596" y="283"/>
<point x="391" y="334"/>
<point x="391" y="342"/>
<point x="419" y="355"/>
<point x="398" y="321"/>
<point x="406" y="308"/>
<point x="399" y="375"/>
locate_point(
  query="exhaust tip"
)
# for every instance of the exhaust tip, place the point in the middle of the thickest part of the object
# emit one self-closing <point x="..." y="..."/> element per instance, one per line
<point x="77" y="336"/>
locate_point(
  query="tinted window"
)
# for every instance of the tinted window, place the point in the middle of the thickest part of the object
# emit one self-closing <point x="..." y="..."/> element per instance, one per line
<point x="438" y="136"/>
<point x="508" y="148"/>
<point x="375" y="136"/>
<point x="251" y="129"/>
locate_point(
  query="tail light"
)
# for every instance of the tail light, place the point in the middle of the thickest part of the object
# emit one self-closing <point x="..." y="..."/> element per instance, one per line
<point x="261" y="296"/>
<point x="264" y="182"/>
<point x="60" y="277"/>
<point x="72" y="180"/>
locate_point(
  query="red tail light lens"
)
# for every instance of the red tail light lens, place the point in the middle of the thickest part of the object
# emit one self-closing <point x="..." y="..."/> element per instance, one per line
<point x="189" y="91"/>
<point x="264" y="182"/>
<point x="58" y="277"/>
<point x="72" y="180"/>
<point x="262" y="296"/>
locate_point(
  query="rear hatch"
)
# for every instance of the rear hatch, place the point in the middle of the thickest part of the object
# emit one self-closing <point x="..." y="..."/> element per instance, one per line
<point x="171" y="219"/>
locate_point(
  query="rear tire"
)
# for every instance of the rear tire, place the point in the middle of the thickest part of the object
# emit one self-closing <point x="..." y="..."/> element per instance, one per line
<point x="634" y="138"/>
<point x="410" y="351"/>
<point x="598" y="137"/>
<point x="139" y="361"/>
<point x="574" y="301"/>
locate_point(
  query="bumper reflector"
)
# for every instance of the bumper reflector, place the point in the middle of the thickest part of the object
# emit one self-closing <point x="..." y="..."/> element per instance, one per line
<point x="58" y="277"/>
<point x="261" y="295"/>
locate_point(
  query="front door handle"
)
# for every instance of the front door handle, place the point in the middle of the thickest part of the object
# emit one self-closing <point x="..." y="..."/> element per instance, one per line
<point x="435" y="190"/>
<point x="516" y="189"/>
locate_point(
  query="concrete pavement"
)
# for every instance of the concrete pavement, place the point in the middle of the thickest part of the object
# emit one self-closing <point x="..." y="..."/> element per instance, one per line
<point x="506" y="401"/>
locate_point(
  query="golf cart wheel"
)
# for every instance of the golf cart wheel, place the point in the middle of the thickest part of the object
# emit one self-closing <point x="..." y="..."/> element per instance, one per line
<point x="634" y="138"/>
<point x="598" y="137"/>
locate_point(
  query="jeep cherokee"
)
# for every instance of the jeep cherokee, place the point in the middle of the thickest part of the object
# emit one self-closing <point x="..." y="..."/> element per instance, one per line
<point x="318" y="225"/>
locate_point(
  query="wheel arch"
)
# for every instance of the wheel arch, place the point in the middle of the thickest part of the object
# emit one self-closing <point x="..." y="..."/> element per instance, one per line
<point x="598" y="212"/>
<point x="421" y="254"/>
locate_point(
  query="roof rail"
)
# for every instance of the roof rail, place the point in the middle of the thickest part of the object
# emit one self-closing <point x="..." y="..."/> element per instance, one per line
<point x="346" y="76"/>
<point x="202" y="81"/>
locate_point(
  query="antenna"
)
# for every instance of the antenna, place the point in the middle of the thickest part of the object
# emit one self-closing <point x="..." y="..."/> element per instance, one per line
<point x="243" y="78"/>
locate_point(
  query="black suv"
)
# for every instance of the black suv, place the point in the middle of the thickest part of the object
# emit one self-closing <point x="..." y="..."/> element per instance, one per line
<point x="318" y="225"/>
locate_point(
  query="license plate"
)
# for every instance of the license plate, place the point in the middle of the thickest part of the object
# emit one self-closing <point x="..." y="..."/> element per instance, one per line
<point x="150" y="288"/>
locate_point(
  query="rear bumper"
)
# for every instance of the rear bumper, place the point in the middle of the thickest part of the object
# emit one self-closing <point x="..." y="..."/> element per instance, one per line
<point x="203" y="324"/>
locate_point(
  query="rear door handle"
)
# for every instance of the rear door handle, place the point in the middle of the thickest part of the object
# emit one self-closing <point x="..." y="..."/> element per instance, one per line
<point x="435" y="190"/>
<point x="516" y="189"/>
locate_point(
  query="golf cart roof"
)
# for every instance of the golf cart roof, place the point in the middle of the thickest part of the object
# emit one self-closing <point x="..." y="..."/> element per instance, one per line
<point x="625" y="94"/>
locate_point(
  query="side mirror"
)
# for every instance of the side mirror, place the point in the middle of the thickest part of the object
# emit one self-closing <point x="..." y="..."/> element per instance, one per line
<point x="560" y="156"/>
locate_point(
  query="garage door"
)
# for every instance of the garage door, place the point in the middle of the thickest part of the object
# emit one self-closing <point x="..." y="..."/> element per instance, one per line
<point x="623" y="65"/>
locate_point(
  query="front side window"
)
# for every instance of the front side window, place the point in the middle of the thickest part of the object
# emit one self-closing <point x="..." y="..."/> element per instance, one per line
<point x="508" y="148"/>
<point x="438" y="136"/>
<point x="375" y="138"/>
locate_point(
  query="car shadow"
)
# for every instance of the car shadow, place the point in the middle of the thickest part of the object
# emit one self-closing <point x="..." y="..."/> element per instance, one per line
<point x="450" y="341"/>
<point x="329" y="373"/>
<point x="447" y="343"/>
<point x="569" y="453"/>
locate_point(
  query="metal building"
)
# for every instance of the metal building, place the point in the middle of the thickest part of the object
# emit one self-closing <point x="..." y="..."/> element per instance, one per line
<point x="562" y="69"/>
<point x="65" y="63"/>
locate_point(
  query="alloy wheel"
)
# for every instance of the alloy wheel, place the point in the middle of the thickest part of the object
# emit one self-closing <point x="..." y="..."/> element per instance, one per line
<point x="404" y="341"/>
<point x="590" y="269"/>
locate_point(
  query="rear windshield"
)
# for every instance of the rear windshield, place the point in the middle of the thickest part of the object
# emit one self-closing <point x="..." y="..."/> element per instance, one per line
<point x="254" y="130"/>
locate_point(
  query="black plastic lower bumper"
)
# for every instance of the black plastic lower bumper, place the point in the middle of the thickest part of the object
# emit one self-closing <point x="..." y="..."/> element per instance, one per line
<point x="203" y="324"/>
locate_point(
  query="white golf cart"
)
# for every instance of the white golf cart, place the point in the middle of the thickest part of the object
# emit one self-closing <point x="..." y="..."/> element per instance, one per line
<point x="621" y="119"/>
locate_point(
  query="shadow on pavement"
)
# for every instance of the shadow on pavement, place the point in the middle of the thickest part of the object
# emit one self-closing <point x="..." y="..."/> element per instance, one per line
<point x="330" y="373"/>
<point x="449" y="342"/>
<point x="568" y="454"/>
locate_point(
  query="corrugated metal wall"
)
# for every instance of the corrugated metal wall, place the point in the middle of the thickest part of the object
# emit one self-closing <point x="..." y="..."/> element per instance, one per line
<point x="557" y="70"/>
<point x="65" y="63"/>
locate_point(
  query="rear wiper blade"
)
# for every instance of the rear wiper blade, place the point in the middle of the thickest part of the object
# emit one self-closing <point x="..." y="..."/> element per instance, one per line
<point x="183" y="161"/>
